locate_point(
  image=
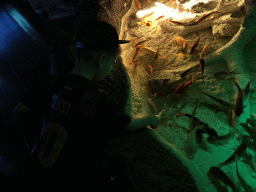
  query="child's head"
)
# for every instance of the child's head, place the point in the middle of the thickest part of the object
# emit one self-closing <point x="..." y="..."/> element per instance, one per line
<point x="97" y="47"/>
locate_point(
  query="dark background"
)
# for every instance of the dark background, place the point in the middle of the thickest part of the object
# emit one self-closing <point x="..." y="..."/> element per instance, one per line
<point x="28" y="57"/>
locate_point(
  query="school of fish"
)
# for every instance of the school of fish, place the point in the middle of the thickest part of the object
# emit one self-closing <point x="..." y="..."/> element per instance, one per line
<point x="199" y="128"/>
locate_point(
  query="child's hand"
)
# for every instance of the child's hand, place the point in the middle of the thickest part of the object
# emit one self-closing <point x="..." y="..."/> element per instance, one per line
<point x="154" y="121"/>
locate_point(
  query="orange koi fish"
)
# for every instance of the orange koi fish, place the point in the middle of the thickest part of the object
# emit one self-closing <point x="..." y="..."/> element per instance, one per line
<point x="138" y="4"/>
<point x="137" y="51"/>
<point x="200" y="20"/>
<point x="140" y="43"/>
<point x="204" y="50"/>
<point x="181" y="89"/>
<point x="160" y="17"/>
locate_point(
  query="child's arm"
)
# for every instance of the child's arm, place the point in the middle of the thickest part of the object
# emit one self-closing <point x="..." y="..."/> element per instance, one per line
<point x="139" y="123"/>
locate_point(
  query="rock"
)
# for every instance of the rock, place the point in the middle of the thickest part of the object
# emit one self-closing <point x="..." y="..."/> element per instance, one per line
<point x="235" y="22"/>
<point x="160" y="86"/>
<point x="201" y="7"/>
<point x="224" y="30"/>
<point x="239" y="13"/>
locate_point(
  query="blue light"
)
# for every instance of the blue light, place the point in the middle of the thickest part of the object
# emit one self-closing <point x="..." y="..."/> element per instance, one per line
<point x="79" y="45"/>
<point x="55" y="101"/>
<point x="1" y="161"/>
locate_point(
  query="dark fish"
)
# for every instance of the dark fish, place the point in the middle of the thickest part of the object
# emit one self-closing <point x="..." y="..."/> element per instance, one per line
<point x="248" y="160"/>
<point x="216" y="108"/>
<point x="196" y="120"/>
<point x="178" y="23"/>
<point x="220" y="175"/>
<point x="199" y="135"/>
<point x="190" y="70"/>
<point x="201" y="61"/>
<point x="239" y="152"/>
<point x="222" y="75"/>
<point x="193" y="123"/>
<point x="189" y="146"/>
<point x="193" y="48"/>
<point x="179" y="88"/>
<point x="200" y="20"/>
<point x="239" y="101"/>
<point x="246" y="138"/>
<point x="220" y="101"/>
<point x="199" y="139"/>
<point x="221" y="140"/>
<point x="251" y="132"/>
<point x="252" y="122"/>
<point x="252" y="98"/>
<point x="247" y="89"/>
<point x="217" y="183"/>
<point x="156" y="55"/>
<point x="210" y="131"/>
<point x="245" y="185"/>
<point x="183" y="128"/>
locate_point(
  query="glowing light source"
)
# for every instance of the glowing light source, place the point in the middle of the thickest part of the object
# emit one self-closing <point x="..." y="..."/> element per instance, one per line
<point x="161" y="9"/>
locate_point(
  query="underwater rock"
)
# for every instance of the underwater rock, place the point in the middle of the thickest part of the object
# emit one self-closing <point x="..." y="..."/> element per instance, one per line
<point x="200" y="7"/>
<point x="224" y="30"/>
<point x="239" y="13"/>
